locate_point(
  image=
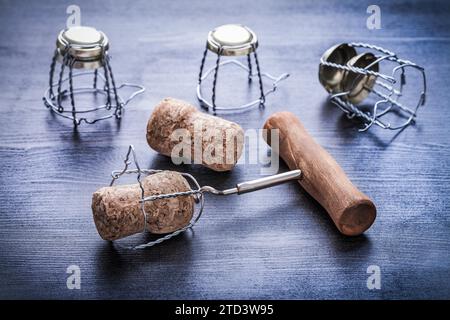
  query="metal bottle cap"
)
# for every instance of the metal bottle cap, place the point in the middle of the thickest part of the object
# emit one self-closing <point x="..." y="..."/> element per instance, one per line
<point x="85" y="44"/>
<point x="329" y="77"/>
<point x="232" y="40"/>
<point x="351" y="79"/>
<point x="360" y="85"/>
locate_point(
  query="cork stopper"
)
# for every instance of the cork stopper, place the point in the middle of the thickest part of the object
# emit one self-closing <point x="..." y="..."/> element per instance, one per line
<point x="117" y="211"/>
<point x="219" y="142"/>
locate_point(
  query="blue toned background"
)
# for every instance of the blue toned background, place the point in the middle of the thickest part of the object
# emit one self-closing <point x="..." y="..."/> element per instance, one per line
<point x="276" y="243"/>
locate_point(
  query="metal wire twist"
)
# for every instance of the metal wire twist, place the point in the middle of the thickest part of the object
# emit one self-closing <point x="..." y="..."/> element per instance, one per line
<point x="72" y="100"/>
<point x="52" y="71"/>
<point x="363" y="71"/>
<point x="202" y="64"/>
<point x="95" y="79"/>
<point x="53" y="101"/>
<point x="392" y="95"/>
<point x="107" y="88"/>
<point x="263" y="94"/>
<point x="118" y="111"/>
<point x="59" y="97"/>
<point x="258" y="69"/>
<point x="249" y="63"/>
<point x="372" y="47"/>
<point x="213" y="97"/>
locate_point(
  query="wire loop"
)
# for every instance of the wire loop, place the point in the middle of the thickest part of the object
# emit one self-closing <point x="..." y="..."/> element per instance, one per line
<point x="260" y="75"/>
<point x="384" y="89"/>
<point x="54" y="100"/>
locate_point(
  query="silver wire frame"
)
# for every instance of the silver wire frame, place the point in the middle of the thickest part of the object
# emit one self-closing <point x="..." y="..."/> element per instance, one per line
<point x="383" y="88"/>
<point x="197" y="193"/>
<point x="263" y="94"/>
<point x="53" y="100"/>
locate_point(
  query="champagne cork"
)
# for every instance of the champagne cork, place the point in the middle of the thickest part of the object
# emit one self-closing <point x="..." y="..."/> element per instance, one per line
<point x="208" y="140"/>
<point x="118" y="213"/>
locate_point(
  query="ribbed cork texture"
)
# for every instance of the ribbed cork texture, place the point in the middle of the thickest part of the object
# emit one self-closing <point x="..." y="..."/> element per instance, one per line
<point x="219" y="141"/>
<point x="117" y="210"/>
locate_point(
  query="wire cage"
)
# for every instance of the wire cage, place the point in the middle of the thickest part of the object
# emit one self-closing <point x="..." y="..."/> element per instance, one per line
<point x="370" y="85"/>
<point x="195" y="190"/>
<point x="84" y="48"/>
<point x="233" y="40"/>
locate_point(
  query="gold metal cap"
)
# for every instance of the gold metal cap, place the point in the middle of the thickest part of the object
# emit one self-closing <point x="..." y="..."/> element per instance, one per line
<point x="358" y="84"/>
<point x="330" y="77"/>
<point x="232" y="40"/>
<point x="85" y="44"/>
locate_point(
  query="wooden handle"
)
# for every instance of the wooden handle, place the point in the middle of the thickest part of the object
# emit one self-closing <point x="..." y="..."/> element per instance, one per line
<point x="351" y="210"/>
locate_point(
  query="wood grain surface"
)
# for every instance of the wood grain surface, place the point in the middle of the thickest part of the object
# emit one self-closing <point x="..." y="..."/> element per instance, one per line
<point x="276" y="243"/>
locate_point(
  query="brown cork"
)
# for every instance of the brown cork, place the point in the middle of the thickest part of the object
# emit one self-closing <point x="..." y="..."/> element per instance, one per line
<point x="213" y="142"/>
<point x="117" y="210"/>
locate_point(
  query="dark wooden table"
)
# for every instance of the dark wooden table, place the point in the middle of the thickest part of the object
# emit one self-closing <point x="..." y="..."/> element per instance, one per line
<point x="276" y="243"/>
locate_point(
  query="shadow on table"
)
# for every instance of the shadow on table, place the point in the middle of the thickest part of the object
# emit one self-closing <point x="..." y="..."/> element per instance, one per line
<point x="324" y="225"/>
<point x="115" y="262"/>
<point x="86" y="134"/>
<point x="348" y="128"/>
<point x="302" y="212"/>
<point x="203" y="175"/>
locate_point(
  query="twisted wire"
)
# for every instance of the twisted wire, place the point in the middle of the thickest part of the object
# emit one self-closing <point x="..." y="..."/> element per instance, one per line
<point x="202" y="64"/>
<point x="249" y="62"/>
<point x="162" y="239"/>
<point x="72" y="100"/>
<point x="374" y="118"/>
<point x="172" y="195"/>
<point x="51" y="73"/>
<point x="258" y="69"/>
<point x="118" y="111"/>
<point x="373" y="47"/>
<point x="61" y="74"/>
<point x="107" y="88"/>
<point x="362" y="71"/>
<point x="51" y="104"/>
<point x="213" y="98"/>
<point x="208" y="105"/>
<point x="95" y="78"/>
